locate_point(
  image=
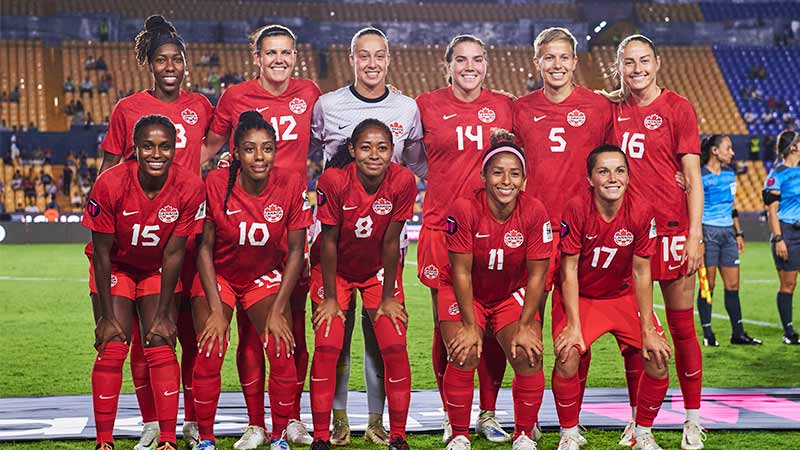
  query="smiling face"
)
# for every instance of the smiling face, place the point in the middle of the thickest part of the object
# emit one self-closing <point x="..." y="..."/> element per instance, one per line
<point x="168" y="66"/>
<point x="556" y="63"/>
<point x="155" y="149"/>
<point x="256" y="153"/>
<point x="724" y="152"/>
<point x="468" y="66"/>
<point x="372" y="151"/>
<point x="276" y="58"/>
<point x="370" y="61"/>
<point x="609" y="176"/>
<point x="638" y="66"/>
<point x="503" y="178"/>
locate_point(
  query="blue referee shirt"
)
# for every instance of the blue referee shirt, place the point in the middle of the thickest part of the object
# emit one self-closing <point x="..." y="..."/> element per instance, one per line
<point x="787" y="181"/>
<point x="719" y="192"/>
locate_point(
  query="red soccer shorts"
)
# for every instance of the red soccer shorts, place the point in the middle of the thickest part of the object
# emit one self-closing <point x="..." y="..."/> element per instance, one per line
<point x="432" y="259"/>
<point x="666" y="264"/>
<point x="131" y="285"/>
<point x="499" y="315"/>
<point x="261" y="288"/>
<point x="371" y="289"/>
<point x="618" y="316"/>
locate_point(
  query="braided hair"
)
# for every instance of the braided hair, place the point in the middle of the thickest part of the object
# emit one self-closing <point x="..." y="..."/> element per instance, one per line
<point x="342" y="156"/>
<point x="709" y="142"/>
<point x="157" y="32"/>
<point x="248" y="120"/>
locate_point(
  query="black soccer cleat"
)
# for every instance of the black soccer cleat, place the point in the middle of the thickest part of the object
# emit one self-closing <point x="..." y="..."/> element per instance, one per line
<point x="745" y="339"/>
<point x="398" y="444"/>
<point x="710" y="341"/>
<point x="791" y="339"/>
<point x="319" y="444"/>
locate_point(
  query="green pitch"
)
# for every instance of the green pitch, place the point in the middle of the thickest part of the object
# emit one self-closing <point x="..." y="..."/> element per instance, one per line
<point x="46" y="343"/>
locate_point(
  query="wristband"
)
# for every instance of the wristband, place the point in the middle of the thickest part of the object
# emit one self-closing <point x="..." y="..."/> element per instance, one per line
<point x="776" y="238"/>
<point x="740" y="234"/>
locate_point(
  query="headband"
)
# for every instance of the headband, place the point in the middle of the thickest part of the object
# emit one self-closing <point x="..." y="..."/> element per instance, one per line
<point x="165" y="38"/>
<point x="503" y="149"/>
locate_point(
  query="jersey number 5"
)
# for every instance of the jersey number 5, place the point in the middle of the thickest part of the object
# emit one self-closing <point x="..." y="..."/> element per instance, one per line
<point x="555" y="137"/>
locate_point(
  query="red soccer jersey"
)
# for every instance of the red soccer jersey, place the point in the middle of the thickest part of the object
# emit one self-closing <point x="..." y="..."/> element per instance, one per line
<point x="500" y="251"/>
<point x="557" y="137"/>
<point x="363" y="218"/>
<point x="289" y="114"/>
<point x="142" y="226"/>
<point x="190" y="113"/>
<point x="655" y="137"/>
<point x="606" y="249"/>
<point x="456" y="136"/>
<point x="251" y="231"/>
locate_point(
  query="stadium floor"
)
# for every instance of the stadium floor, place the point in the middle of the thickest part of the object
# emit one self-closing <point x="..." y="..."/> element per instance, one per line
<point x="70" y="417"/>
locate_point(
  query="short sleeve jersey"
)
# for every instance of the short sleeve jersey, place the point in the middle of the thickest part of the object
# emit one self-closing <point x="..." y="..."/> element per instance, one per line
<point x="557" y="138"/>
<point x="362" y="218"/>
<point x="500" y="251"/>
<point x="142" y="226"/>
<point x="190" y="113"/>
<point x="786" y="180"/>
<point x="606" y="249"/>
<point x="719" y="191"/>
<point x="655" y="138"/>
<point x="456" y="135"/>
<point x="251" y="231"/>
<point x="289" y="113"/>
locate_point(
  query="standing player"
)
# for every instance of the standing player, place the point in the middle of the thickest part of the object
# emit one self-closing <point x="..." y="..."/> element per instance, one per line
<point x="163" y="51"/>
<point x="140" y="214"/>
<point x="458" y="120"/>
<point x="606" y="244"/>
<point x="286" y="103"/>
<point x="657" y="129"/>
<point x="363" y="202"/>
<point x="256" y="219"/>
<point x="723" y="237"/>
<point x="782" y="197"/>
<point x="335" y="116"/>
<point x="499" y="244"/>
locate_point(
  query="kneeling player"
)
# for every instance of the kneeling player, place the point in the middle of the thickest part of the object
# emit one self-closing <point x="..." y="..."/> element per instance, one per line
<point x="140" y="213"/>
<point x="363" y="202"/>
<point x="499" y="244"/>
<point x="606" y="245"/>
<point x="252" y="210"/>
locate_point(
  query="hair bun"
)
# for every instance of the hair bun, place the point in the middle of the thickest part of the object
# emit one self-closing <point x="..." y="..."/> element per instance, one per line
<point x="249" y="116"/>
<point x="501" y="135"/>
<point x="157" y="23"/>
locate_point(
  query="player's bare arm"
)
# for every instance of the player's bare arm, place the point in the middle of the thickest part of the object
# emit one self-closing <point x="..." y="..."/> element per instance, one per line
<point x="108" y="327"/>
<point x="775" y="227"/>
<point x="328" y="309"/>
<point x="211" y="145"/>
<point x="653" y="344"/>
<point x="528" y="335"/>
<point x="109" y="160"/>
<point x="694" y="248"/>
<point x="469" y="335"/>
<point x="571" y="336"/>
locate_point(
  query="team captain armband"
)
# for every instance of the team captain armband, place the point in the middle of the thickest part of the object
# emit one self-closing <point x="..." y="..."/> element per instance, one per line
<point x="770" y="197"/>
<point x="734" y="213"/>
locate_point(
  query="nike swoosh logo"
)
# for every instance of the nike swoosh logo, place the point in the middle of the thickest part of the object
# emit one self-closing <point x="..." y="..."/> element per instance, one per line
<point x="392" y="380"/>
<point x="270" y="286"/>
<point x="590" y="237"/>
<point x="136" y="388"/>
<point x="286" y="404"/>
<point x="348" y="208"/>
<point x="230" y="213"/>
<point x="318" y="380"/>
<point x="479" y="236"/>
<point x="623" y="119"/>
<point x="106" y="397"/>
<point x="567" y="406"/>
<point x="454" y="405"/>
<point x="527" y="403"/>
<point x="202" y="402"/>
<point x="448" y="117"/>
<point x="249" y="383"/>
<point x="671" y="267"/>
<point x="689" y="375"/>
<point x="262" y="109"/>
<point x="129" y="213"/>
<point x="342" y="127"/>
<point x="536" y="119"/>
<point x="654" y="408"/>
<point x="169" y="394"/>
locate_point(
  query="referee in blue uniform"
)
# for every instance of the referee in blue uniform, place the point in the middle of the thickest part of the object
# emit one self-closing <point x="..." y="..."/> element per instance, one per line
<point x="782" y="197"/>
<point x="723" y="237"/>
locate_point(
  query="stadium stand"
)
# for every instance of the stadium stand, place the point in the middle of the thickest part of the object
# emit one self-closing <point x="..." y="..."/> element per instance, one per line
<point x="750" y="183"/>
<point x="669" y="12"/>
<point x="22" y="68"/>
<point x="725" y="11"/>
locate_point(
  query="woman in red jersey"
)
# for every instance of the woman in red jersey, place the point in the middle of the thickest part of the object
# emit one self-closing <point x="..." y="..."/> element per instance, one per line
<point x="499" y="244"/>
<point x="162" y="50"/>
<point x="657" y="129"/>
<point x="286" y="103"/>
<point x="457" y="121"/>
<point x="606" y="244"/>
<point x="363" y="202"/>
<point x="140" y="214"/>
<point x="251" y="253"/>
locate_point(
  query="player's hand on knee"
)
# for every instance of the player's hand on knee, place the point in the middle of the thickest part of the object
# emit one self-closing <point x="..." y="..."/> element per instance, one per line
<point x="394" y="311"/>
<point x="467" y="339"/>
<point x="163" y="328"/>
<point x="569" y="339"/>
<point x="279" y="328"/>
<point x="216" y="329"/>
<point x="106" y="331"/>
<point x="325" y="313"/>
<point x="528" y="337"/>
<point x="654" y="346"/>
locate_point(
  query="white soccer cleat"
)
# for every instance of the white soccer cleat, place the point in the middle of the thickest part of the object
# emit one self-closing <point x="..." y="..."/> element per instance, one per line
<point x="693" y="436"/>
<point x="488" y="427"/>
<point x="626" y="440"/>
<point x="297" y="433"/>
<point x="537" y="432"/>
<point x="571" y="439"/>
<point x="191" y="434"/>
<point x="645" y="441"/>
<point x="150" y="435"/>
<point x="523" y="442"/>
<point x="253" y="437"/>
<point x="447" y="433"/>
<point x="459" y="443"/>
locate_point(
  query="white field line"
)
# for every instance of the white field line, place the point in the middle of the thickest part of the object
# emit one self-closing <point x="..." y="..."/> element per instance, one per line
<point x="67" y="280"/>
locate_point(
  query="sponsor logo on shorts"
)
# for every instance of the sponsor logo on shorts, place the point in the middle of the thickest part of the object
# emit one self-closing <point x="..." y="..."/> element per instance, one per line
<point x="547" y="232"/>
<point x="114" y="280"/>
<point x="453" y="310"/>
<point x="576" y="118"/>
<point x="273" y="213"/>
<point x="623" y="237"/>
<point x="514" y="238"/>
<point x="486" y="115"/>
<point x="653" y="121"/>
<point x="674" y="267"/>
<point x="168" y="214"/>
<point x="298" y="105"/>
<point x="189" y="116"/>
<point x="382" y="206"/>
<point x="430" y="272"/>
<point x="397" y="128"/>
